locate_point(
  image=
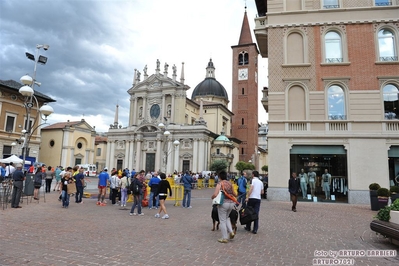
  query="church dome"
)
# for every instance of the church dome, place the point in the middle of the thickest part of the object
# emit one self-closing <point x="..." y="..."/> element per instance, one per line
<point x="210" y="86"/>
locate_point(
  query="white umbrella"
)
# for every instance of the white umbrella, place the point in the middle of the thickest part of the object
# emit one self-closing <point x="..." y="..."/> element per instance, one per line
<point x="12" y="158"/>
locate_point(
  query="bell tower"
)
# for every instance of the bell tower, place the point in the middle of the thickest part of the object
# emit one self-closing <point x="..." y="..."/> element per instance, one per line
<point x="245" y="93"/>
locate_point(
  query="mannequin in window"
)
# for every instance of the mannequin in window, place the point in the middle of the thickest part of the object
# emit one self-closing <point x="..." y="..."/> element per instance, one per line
<point x="312" y="181"/>
<point x="303" y="177"/>
<point x="326" y="181"/>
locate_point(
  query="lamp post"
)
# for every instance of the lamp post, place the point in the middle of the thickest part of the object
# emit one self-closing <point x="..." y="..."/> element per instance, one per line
<point x="31" y="101"/>
<point x="166" y="149"/>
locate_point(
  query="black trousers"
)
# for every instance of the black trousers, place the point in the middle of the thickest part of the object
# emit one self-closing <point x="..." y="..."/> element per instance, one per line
<point x="48" y="184"/>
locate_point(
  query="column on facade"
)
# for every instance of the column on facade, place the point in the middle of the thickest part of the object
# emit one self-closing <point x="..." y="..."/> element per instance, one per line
<point x="202" y="159"/>
<point x="145" y="107"/>
<point x="131" y="155"/>
<point x="127" y="158"/>
<point x="176" y="159"/>
<point x="159" y="153"/>
<point x="138" y="153"/>
<point x="135" y="112"/>
<point x="196" y="157"/>
<point x="72" y="158"/>
<point x="87" y="157"/>
<point x="172" y="112"/>
<point x="108" y="155"/>
<point x="112" y="155"/>
<point x="65" y="144"/>
<point x="163" y="114"/>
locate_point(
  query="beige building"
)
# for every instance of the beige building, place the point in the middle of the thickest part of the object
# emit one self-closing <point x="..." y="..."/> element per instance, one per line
<point x="68" y="144"/>
<point x="159" y="104"/>
<point x="333" y="93"/>
<point x="13" y="119"/>
<point x="100" y="151"/>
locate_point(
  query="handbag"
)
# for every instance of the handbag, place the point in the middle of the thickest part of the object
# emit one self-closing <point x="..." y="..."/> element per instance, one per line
<point x="247" y="215"/>
<point x="219" y="198"/>
<point x="71" y="188"/>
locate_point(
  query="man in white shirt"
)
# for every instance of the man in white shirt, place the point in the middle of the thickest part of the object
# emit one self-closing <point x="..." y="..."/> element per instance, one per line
<point x="10" y="169"/>
<point x="253" y="199"/>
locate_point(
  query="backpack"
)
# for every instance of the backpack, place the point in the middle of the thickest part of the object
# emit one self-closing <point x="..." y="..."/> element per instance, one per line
<point x="134" y="187"/>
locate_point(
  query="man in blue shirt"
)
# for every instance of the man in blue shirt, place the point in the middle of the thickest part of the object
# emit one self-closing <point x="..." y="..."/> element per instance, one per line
<point x="2" y="171"/>
<point x="242" y="189"/>
<point x="154" y="185"/>
<point x="103" y="180"/>
<point x="187" y="181"/>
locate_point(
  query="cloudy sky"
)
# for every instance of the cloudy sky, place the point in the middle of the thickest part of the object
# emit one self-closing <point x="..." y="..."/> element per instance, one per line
<point x="95" y="45"/>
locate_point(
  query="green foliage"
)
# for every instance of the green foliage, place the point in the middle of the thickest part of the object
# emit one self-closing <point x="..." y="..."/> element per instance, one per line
<point x="265" y="168"/>
<point x="383" y="214"/>
<point x="394" y="189"/>
<point x="383" y="192"/>
<point x="219" y="165"/>
<point x="374" y="186"/>
<point x="241" y="166"/>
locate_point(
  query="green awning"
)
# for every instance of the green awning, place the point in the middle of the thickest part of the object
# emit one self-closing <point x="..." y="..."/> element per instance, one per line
<point x="318" y="149"/>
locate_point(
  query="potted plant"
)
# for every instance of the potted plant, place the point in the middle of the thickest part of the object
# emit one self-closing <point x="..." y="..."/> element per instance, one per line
<point x="394" y="193"/>
<point x="373" y="196"/>
<point x="383" y="196"/>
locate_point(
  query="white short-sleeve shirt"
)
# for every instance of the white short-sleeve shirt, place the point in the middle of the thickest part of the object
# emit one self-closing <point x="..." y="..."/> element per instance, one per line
<point x="257" y="188"/>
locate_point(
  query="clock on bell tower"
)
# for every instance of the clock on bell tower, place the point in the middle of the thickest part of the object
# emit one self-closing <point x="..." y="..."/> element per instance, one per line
<point x="245" y="93"/>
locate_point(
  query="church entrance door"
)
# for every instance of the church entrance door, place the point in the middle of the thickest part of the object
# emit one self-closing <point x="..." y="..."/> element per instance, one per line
<point x="150" y="162"/>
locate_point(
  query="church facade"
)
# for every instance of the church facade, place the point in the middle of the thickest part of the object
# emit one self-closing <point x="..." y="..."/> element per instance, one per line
<point x="170" y="132"/>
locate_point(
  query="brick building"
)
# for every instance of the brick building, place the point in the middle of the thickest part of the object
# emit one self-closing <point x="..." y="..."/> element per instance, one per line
<point x="333" y="93"/>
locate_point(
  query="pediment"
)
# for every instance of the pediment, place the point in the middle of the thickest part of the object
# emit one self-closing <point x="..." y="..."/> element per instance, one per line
<point x="154" y="82"/>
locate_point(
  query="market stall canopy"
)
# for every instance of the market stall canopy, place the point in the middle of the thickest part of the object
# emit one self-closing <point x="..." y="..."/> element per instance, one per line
<point x="12" y="158"/>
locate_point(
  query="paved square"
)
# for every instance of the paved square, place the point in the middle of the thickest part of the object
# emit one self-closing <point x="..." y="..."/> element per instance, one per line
<point x="86" y="234"/>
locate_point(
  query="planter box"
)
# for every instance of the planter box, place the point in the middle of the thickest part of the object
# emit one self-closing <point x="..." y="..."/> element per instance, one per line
<point x="394" y="197"/>
<point x="394" y="217"/>
<point x="382" y="202"/>
<point x="374" y="200"/>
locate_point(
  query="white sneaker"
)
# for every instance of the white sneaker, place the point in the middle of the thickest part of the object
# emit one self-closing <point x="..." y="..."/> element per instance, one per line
<point x="157" y="215"/>
<point x="141" y="214"/>
<point x="132" y="213"/>
<point x="190" y="207"/>
<point x="165" y="216"/>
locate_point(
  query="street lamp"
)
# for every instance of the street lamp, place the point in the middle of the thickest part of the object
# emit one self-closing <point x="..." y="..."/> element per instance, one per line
<point x="167" y="150"/>
<point x="30" y="100"/>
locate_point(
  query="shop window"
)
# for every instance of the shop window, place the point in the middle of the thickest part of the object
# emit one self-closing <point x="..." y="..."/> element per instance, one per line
<point x="316" y="160"/>
<point x="386" y="46"/>
<point x="336" y="103"/>
<point x="391" y="102"/>
<point x="333" y="47"/>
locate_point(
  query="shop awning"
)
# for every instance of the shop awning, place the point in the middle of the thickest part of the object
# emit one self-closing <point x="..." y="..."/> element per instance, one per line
<point x="318" y="149"/>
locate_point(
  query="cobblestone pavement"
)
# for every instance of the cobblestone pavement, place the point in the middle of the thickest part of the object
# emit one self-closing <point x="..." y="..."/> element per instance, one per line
<point x="86" y="234"/>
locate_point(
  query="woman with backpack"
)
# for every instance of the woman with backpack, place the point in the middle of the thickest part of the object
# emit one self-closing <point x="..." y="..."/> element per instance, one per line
<point x="37" y="182"/>
<point x="136" y="187"/>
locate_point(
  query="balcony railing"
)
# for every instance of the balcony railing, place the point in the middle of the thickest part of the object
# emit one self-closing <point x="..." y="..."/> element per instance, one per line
<point x="388" y="58"/>
<point x="297" y="126"/>
<point x="337" y="117"/>
<point x="330" y="6"/>
<point x="337" y="126"/>
<point x="334" y="60"/>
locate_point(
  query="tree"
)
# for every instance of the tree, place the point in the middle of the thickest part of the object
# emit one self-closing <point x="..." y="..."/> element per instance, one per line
<point x="241" y="166"/>
<point x="219" y="165"/>
<point x="265" y="168"/>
